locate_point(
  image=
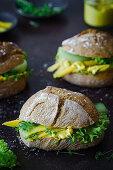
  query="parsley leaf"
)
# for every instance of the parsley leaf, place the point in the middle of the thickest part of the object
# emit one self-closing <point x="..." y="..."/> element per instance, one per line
<point x="104" y="61"/>
<point x="55" y="132"/>
<point x="48" y="131"/>
<point x="29" y="8"/>
<point x="102" y="154"/>
<point x="7" y="157"/>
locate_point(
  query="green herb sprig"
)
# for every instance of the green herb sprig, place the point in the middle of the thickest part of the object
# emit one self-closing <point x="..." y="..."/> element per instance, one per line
<point x="16" y="128"/>
<point x="100" y="155"/>
<point x="104" y="61"/>
<point x="15" y="75"/>
<point x="26" y="126"/>
<point x="46" y="10"/>
<point x="48" y="131"/>
<point x="7" y="157"/>
<point x="69" y="151"/>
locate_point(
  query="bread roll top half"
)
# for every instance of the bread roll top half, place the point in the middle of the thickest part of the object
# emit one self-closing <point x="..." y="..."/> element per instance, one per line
<point x="58" y="107"/>
<point x="90" y="43"/>
<point x="10" y="56"/>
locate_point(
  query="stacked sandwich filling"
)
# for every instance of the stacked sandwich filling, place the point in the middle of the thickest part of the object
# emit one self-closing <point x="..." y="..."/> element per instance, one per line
<point x="32" y="131"/>
<point x="17" y="72"/>
<point x="13" y="62"/>
<point x="67" y="63"/>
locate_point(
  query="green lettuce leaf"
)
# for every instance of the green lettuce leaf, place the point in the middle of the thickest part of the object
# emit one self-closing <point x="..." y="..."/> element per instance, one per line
<point x="87" y="134"/>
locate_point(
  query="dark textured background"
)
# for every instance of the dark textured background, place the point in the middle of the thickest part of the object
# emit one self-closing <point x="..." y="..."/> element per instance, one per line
<point x="41" y="45"/>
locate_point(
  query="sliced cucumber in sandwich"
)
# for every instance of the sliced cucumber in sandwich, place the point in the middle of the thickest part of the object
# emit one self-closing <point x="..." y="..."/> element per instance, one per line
<point x="62" y="54"/>
<point x="20" y="68"/>
<point x="101" y="108"/>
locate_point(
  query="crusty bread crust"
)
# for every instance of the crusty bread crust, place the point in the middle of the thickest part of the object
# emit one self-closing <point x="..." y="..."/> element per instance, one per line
<point x="102" y="79"/>
<point x="48" y="143"/>
<point x="11" y="87"/>
<point x="59" y="108"/>
<point x="90" y="43"/>
<point x="10" y="56"/>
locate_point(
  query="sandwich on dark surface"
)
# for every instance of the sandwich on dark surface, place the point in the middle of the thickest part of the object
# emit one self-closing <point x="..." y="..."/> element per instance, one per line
<point x="56" y="118"/>
<point x="86" y="59"/>
<point x="13" y="69"/>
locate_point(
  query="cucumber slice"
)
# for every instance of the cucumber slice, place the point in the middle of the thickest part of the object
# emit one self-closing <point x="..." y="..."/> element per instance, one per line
<point x="70" y="57"/>
<point x="101" y="108"/>
<point x="20" y="68"/>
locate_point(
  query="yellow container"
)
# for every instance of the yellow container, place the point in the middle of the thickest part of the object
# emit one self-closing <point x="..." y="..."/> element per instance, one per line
<point x="98" y="13"/>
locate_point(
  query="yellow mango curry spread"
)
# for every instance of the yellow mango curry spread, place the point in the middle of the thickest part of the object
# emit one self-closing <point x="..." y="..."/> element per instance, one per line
<point x="32" y="131"/>
<point x="64" y="67"/>
<point x="4" y="78"/>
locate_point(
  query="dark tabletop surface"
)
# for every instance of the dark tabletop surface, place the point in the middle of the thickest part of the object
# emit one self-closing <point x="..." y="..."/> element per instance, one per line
<point x="41" y="45"/>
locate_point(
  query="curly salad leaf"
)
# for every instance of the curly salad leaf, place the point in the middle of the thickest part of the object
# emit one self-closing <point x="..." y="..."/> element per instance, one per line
<point x="88" y="134"/>
<point x="7" y="157"/>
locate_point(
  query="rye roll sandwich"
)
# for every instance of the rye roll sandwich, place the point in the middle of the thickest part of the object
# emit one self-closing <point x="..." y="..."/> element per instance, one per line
<point x="56" y="118"/>
<point x="85" y="59"/>
<point x="13" y="69"/>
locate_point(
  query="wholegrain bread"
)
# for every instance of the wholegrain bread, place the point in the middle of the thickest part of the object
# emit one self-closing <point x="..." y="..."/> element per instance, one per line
<point x="58" y="107"/>
<point x="90" y="43"/>
<point x="48" y="143"/>
<point x="10" y="56"/>
<point x="102" y="79"/>
<point x="11" y="87"/>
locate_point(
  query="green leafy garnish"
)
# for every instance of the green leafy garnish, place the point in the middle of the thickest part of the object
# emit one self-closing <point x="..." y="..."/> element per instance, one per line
<point x="88" y="134"/>
<point x="15" y="75"/>
<point x="48" y="131"/>
<point x="16" y="129"/>
<point x="104" y="61"/>
<point x="26" y="126"/>
<point x="31" y="136"/>
<point x="55" y="132"/>
<point x="7" y="157"/>
<point x="70" y="152"/>
<point x="103" y="154"/>
<point x="81" y="72"/>
<point x="46" y="10"/>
